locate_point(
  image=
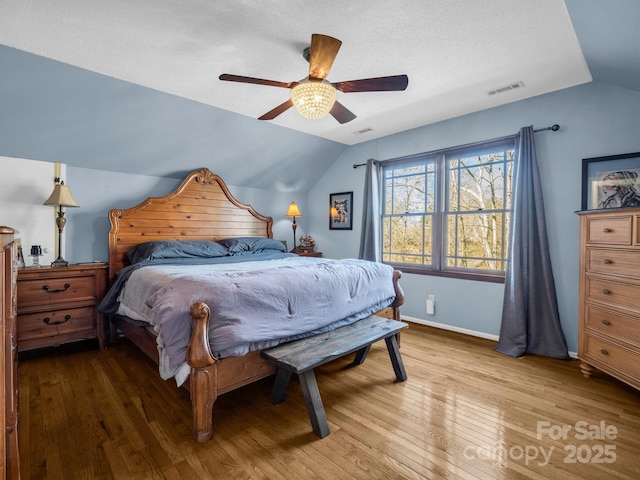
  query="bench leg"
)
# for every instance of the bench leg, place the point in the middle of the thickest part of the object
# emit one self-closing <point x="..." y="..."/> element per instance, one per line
<point x="314" y="403"/>
<point x="396" y="359"/>
<point x="361" y="355"/>
<point x="280" y="385"/>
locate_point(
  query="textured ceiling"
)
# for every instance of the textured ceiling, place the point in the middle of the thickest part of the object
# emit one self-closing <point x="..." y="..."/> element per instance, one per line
<point x="454" y="52"/>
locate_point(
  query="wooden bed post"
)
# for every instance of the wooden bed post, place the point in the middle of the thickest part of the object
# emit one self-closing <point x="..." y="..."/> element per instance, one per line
<point x="204" y="374"/>
<point x="399" y="300"/>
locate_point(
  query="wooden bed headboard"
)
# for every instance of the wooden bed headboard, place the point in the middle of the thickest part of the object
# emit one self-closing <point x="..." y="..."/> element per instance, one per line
<point x="201" y="208"/>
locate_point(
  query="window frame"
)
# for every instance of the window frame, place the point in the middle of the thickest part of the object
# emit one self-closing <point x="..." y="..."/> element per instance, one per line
<point x="440" y="214"/>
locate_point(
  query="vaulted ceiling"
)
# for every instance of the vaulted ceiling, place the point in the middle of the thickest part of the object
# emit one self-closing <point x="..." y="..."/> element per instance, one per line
<point x="454" y="52"/>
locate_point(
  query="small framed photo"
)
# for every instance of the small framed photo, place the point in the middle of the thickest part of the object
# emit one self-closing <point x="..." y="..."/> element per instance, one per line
<point x="611" y="182"/>
<point x="341" y="211"/>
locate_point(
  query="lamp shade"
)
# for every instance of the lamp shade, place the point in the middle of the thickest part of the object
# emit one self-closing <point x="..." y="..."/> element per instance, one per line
<point x="293" y="211"/>
<point x="61" y="196"/>
<point x="313" y="99"/>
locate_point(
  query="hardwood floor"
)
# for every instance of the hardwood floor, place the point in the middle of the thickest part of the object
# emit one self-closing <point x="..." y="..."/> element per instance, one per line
<point x="464" y="412"/>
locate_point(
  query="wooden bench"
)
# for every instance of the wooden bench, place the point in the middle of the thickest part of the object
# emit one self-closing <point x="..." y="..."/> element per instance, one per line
<point x="302" y="356"/>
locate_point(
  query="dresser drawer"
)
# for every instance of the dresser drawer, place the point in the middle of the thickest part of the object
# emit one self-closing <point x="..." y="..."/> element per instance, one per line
<point x="622" y="361"/>
<point x="610" y="230"/>
<point x="623" y="327"/>
<point x="45" y="291"/>
<point x="617" y="294"/>
<point x="613" y="262"/>
<point x="55" y="322"/>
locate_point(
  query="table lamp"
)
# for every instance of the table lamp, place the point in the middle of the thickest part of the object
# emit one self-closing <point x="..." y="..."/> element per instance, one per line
<point x="60" y="197"/>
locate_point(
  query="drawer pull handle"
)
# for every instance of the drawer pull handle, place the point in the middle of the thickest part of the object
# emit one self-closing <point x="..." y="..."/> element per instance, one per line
<point x="606" y="261"/>
<point x="606" y="230"/>
<point x="606" y="322"/>
<point x="47" y="288"/>
<point x="48" y="321"/>
<point x="604" y="352"/>
<point x="606" y="292"/>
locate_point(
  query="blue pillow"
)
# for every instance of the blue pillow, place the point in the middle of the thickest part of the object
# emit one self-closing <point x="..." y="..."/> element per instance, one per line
<point x="249" y="245"/>
<point x="176" y="249"/>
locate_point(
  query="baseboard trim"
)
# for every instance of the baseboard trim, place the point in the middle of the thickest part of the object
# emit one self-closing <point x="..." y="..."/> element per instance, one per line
<point x="465" y="331"/>
<point x="451" y="328"/>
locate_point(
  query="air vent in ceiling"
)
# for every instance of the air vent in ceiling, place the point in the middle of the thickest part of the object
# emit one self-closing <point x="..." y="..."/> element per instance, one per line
<point x="364" y="130"/>
<point x="511" y="86"/>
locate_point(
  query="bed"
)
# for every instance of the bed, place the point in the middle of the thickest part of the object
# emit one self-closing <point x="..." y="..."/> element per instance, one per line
<point x="202" y="209"/>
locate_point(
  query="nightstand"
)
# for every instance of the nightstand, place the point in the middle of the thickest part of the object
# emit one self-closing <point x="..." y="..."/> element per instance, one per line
<point x="58" y="305"/>
<point x="307" y="254"/>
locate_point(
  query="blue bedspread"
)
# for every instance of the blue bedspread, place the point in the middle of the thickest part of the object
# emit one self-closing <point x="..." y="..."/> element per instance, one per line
<point x="255" y="304"/>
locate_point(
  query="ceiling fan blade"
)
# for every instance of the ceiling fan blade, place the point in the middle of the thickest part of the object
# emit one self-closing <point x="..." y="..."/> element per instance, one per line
<point x="259" y="81"/>
<point x="322" y="54"/>
<point x="380" y="84"/>
<point x="271" y="114"/>
<point x="341" y="113"/>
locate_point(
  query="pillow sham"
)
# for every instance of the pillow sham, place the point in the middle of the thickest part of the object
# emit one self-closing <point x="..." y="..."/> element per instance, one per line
<point x="176" y="249"/>
<point x="249" y="245"/>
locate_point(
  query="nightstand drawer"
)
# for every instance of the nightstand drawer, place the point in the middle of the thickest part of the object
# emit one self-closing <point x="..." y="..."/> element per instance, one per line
<point x="54" y="323"/>
<point x="56" y="290"/>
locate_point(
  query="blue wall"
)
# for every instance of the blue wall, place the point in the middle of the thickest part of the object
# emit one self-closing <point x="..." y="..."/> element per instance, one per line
<point x="55" y="112"/>
<point x="596" y="119"/>
<point x="98" y="191"/>
<point x="52" y="112"/>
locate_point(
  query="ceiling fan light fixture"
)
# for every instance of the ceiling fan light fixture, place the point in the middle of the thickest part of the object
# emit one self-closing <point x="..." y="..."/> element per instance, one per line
<point x="313" y="99"/>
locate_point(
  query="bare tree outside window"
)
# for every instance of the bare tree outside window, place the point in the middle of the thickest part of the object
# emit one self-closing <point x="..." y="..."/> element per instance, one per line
<point x="464" y="228"/>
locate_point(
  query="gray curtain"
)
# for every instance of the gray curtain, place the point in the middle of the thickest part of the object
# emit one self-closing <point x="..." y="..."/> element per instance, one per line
<point x="530" y="319"/>
<point x="370" y="235"/>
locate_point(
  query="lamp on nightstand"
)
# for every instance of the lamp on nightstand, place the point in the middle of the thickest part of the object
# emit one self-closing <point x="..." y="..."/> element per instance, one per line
<point x="60" y="197"/>
<point x="294" y="212"/>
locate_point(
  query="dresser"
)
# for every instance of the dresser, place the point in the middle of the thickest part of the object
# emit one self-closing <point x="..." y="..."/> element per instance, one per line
<point x="609" y="312"/>
<point x="58" y="305"/>
<point x="9" y="458"/>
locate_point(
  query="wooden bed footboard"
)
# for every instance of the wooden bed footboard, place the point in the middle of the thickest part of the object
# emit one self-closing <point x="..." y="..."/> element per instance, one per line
<point x="211" y="377"/>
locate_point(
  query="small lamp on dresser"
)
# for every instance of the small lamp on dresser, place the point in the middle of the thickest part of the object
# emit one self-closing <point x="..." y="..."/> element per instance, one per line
<point x="60" y="197"/>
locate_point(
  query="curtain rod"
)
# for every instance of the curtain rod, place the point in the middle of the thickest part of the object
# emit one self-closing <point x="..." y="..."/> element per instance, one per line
<point x="554" y="128"/>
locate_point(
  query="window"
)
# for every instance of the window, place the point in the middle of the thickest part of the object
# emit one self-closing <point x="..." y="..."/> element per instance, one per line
<point x="447" y="213"/>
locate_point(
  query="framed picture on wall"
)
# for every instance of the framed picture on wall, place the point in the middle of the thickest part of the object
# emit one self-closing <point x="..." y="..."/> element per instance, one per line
<point x="611" y="182"/>
<point x="341" y="211"/>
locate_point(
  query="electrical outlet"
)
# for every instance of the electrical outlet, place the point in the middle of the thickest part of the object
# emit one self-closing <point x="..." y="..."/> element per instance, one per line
<point x="431" y="305"/>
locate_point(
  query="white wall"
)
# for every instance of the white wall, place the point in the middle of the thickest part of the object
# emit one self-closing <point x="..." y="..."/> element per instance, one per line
<point x="26" y="184"/>
<point x="24" y="187"/>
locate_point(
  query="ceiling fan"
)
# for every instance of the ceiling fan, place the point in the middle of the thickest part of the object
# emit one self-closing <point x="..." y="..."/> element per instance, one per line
<point x="314" y="96"/>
